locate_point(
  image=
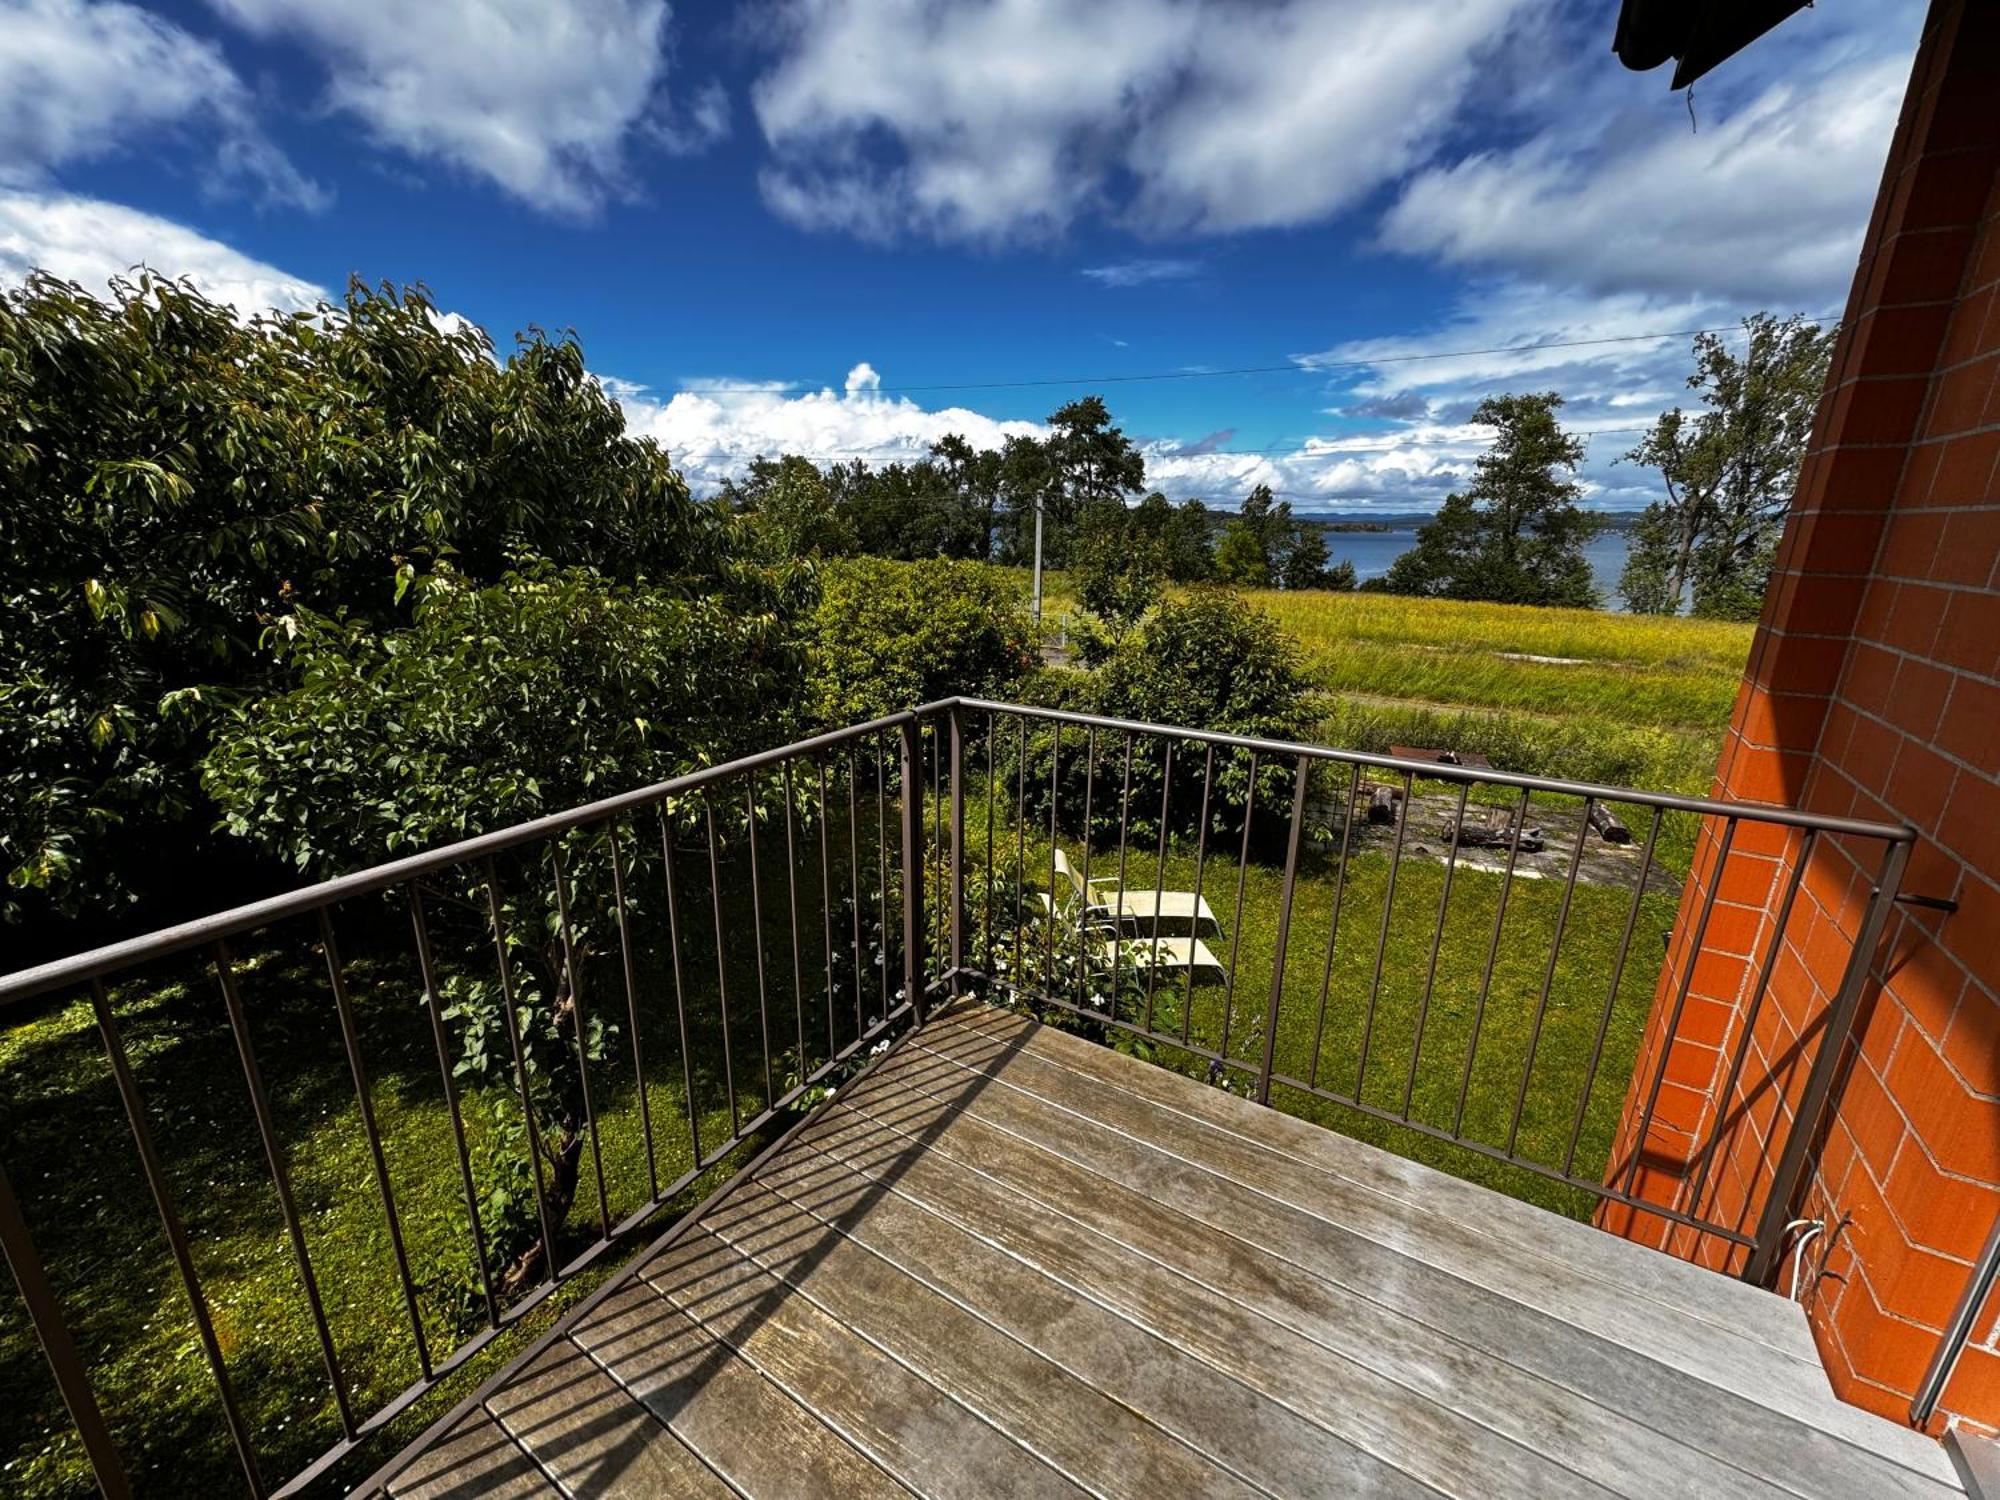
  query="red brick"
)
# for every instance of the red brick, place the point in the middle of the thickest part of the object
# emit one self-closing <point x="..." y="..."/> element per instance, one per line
<point x="1926" y="984"/>
<point x="1920" y="783"/>
<point x="1949" y="189"/>
<point x="1902" y="340"/>
<point x="1975" y="1386"/>
<point x="1801" y="665"/>
<point x="1882" y="411"/>
<point x="1882" y="1349"/>
<point x="1910" y="544"/>
<point x="1958" y="397"/>
<point x="1852" y="479"/>
<point x="1971" y="542"/>
<point x="1971" y="825"/>
<point x="1971" y="728"/>
<point x="1945" y="1214"/>
<point x="1916" y="616"/>
<point x="1969" y="636"/>
<point x="1963" y="471"/>
<point x="1961" y="1133"/>
<point x="1921" y="691"/>
<point x="1972" y="1041"/>
<point x="1875" y="1123"/>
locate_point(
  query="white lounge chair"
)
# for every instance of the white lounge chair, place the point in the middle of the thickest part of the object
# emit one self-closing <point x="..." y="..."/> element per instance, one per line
<point x="1141" y="907"/>
<point x="1166" y="954"/>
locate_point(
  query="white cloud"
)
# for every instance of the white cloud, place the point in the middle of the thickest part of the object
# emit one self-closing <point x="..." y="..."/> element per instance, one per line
<point x="1766" y="202"/>
<point x="1143" y="272"/>
<point x="713" y="428"/>
<point x="1010" y="118"/>
<point x="89" y="241"/>
<point x="542" y="97"/>
<point x="80" y="80"/>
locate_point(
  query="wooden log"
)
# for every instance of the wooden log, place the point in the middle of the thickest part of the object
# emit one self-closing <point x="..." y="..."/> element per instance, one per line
<point x="1608" y="826"/>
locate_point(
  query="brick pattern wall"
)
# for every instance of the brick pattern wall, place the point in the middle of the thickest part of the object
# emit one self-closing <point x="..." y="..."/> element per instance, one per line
<point x="1873" y="690"/>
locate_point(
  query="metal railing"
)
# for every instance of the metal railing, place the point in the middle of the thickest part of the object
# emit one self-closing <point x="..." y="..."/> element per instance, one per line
<point x="1331" y="997"/>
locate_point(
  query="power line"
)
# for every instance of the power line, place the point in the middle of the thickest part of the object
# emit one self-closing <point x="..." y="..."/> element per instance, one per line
<point x="1303" y="365"/>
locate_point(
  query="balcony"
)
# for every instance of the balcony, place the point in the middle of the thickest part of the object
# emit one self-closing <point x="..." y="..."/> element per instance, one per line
<point x="941" y="1156"/>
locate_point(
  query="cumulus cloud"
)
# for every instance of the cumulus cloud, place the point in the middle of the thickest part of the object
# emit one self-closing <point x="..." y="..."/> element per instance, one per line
<point x="81" y="80"/>
<point x="1143" y="272"/>
<point x="89" y="242"/>
<point x="996" y="119"/>
<point x="713" y="428"/>
<point x="545" y="105"/>
<point x="1768" y="201"/>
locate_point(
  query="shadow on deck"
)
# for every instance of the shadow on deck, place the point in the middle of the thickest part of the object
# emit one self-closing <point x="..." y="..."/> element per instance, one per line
<point x="1007" y="1261"/>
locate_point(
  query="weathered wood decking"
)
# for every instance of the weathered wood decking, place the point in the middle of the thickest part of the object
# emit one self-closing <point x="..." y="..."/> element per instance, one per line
<point x="1007" y="1262"/>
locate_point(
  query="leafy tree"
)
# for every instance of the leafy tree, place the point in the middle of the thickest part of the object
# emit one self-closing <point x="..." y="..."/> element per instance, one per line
<point x="1516" y="534"/>
<point x="1729" y="472"/>
<point x="792" y="508"/>
<point x="886" y="637"/>
<point x="1086" y="463"/>
<point x="496" y="705"/>
<point x="1305" y="561"/>
<point x="1242" y="558"/>
<point x="1182" y="534"/>
<point x="1340" y="577"/>
<point x="173" y="478"/>
<point x="973" y="477"/>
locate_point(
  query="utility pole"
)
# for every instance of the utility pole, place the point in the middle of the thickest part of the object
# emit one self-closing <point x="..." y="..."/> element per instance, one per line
<point x="1038" y="561"/>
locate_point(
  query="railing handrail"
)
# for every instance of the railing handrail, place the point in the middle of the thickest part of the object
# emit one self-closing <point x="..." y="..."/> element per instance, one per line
<point x="94" y="963"/>
<point x="1765" y="812"/>
<point x="164" y="942"/>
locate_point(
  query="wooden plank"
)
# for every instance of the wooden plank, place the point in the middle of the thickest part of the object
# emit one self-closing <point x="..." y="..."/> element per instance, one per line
<point x="1297" y="1261"/>
<point x="1580" y="1249"/>
<point x="744" y="1427"/>
<point x="588" y="1433"/>
<point x="1262" y="1179"/>
<point x="906" y="1425"/>
<point x="1247" y="1427"/>
<point x="475" y="1460"/>
<point x="1306" y="1340"/>
<point x="1099" y="1443"/>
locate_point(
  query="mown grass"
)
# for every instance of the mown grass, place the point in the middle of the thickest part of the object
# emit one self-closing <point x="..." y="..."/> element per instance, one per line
<point x="1320" y="1040"/>
<point x="71" y="1161"/>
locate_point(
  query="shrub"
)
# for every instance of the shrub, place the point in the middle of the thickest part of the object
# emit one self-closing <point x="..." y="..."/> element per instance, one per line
<point x="887" y="636"/>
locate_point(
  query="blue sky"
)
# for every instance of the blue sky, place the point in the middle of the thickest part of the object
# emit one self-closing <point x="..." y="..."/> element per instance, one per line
<point x="768" y="222"/>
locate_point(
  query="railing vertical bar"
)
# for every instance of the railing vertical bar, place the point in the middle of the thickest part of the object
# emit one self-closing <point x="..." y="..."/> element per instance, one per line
<point x="579" y="1025"/>
<point x="1333" y="924"/>
<point x="1118" y="910"/>
<point x="632" y="1005"/>
<point x="1083" y="899"/>
<point x="1382" y="937"/>
<point x="1160" y="873"/>
<point x="1200" y="863"/>
<point x="680" y="983"/>
<point x="826" y="902"/>
<point x="364" y="1100"/>
<point x="1549" y="974"/>
<point x="957" y="848"/>
<point x="1819" y="1083"/>
<point x="521" y="1069"/>
<point x="721" y="969"/>
<point x="1437" y="944"/>
<point x="757" y="933"/>
<point x="176" y="1232"/>
<point x="1693" y="956"/>
<point x="1055" y="783"/>
<point x="880" y="754"/>
<point x="1236" y="922"/>
<point x="990" y="958"/>
<point x="1611" y="997"/>
<point x="1020" y="839"/>
<point x="913" y="888"/>
<point x="1284" y="930"/>
<point x="427" y="970"/>
<point x="281" y="1179"/>
<point x="1492" y="957"/>
<point x="792" y="904"/>
<point x="854" y="881"/>
<point x="1750" y="1014"/>
<point x="937" y="824"/>
<point x="72" y="1379"/>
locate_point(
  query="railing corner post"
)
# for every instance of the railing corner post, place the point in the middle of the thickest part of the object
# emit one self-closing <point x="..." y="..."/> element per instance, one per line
<point x="913" y="873"/>
<point x="1798" y="1155"/>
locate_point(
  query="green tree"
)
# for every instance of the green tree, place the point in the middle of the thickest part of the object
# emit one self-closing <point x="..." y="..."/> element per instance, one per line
<point x="887" y="636"/>
<point x="1516" y="534"/>
<point x="1305" y="561"/>
<point x="1241" y="559"/>
<point x="1340" y="577"/>
<point x="173" y="478"/>
<point x="496" y="705"/>
<point x="972" y="476"/>
<point x="792" y="508"/>
<point x="1729" y="471"/>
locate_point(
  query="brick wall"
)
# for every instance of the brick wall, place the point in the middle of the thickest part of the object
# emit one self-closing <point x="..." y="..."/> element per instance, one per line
<point x="1873" y="690"/>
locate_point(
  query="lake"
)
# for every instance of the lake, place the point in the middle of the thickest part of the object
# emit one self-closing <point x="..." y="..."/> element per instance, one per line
<point x="1371" y="552"/>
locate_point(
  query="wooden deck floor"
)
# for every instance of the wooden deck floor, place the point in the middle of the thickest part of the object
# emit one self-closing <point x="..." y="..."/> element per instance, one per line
<point x="1008" y="1262"/>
